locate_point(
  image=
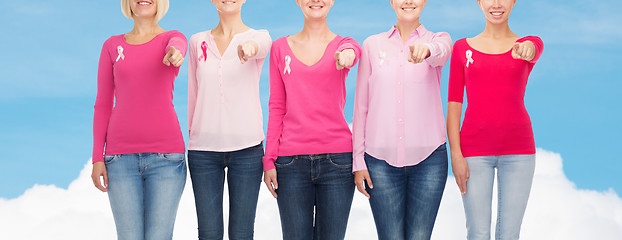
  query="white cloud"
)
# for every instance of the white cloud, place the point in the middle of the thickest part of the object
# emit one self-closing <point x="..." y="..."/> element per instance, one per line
<point x="557" y="210"/>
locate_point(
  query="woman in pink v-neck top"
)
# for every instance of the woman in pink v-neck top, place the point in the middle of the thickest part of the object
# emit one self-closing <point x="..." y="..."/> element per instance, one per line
<point x="307" y="103"/>
<point x="308" y="161"/>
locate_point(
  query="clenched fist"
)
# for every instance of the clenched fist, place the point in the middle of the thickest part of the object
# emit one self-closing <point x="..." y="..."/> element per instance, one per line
<point x="247" y="50"/>
<point x="525" y="51"/>
<point x="418" y="53"/>
<point x="345" y="58"/>
<point x="173" y="57"/>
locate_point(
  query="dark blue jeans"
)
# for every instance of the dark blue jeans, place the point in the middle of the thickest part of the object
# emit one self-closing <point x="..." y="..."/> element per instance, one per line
<point x="207" y="171"/>
<point x="405" y="200"/>
<point x="322" y="184"/>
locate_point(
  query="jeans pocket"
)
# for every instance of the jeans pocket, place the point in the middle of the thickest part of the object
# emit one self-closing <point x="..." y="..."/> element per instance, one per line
<point x="341" y="160"/>
<point x="172" y="156"/>
<point x="108" y="159"/>
<point x="284" y="161"/>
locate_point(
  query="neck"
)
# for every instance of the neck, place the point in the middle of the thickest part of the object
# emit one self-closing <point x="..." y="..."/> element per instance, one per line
<point x="314" y="29"/>
<point x="230" y="24"/>
<point x="501" y="30"/>
<point x="406" y="28"/>
<point x="144" y="26"/>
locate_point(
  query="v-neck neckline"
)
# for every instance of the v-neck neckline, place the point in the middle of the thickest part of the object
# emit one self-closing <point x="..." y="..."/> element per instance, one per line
<point x="217" y="50"/>
<point x="316" y="63"/>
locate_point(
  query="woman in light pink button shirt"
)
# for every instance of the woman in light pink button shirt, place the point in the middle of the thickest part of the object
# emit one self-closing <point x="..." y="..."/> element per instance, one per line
<point x="225" y="122"/>
<point x="400" y="158"/>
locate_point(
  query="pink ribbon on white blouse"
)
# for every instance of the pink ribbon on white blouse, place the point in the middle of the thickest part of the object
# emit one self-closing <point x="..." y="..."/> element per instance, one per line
<point x="469" y="56"/>
<point x="120" y="52"/>
<point x="204" y="48"/>
<point x="288" y="60"/>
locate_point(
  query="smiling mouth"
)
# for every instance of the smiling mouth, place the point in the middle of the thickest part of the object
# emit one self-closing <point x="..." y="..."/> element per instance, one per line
<point x="228" y="2"/>
<point x="496" y="13"/>
<point x="144" y="3"/>
<point x="408" y="9"/>
<point x="316" y="7"/>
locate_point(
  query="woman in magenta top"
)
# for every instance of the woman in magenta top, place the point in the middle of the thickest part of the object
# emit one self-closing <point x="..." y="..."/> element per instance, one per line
<point x="400" y="157"/>
<point x="138" y="147"/>
<point x="308" y="160"/>
<point x="494" y="67"/>
<point x="225" y="122"/>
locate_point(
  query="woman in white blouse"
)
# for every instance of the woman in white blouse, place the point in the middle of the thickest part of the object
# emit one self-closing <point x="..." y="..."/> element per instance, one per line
<point x="225" y="122"/>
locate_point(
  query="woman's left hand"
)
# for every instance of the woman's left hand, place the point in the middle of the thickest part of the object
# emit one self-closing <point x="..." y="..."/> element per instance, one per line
<point x="345" y="58"/>
<point x="524" y="51"/>
<point x="173" y="57"/>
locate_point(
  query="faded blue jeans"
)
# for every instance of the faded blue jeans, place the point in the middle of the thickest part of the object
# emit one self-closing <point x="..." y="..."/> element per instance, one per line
<point x="405" y="200"/>
<point x="315" y="195"/>
<point x="244" y="171"/>
<point x="144" y="190"/>
<point x="514" y="178"/>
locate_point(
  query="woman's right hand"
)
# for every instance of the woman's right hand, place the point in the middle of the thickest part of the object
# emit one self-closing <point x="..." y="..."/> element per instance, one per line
<point x="99" y="170"/>
<point x="269" y="177"/>
<point x="359" y="179"/>
<point x="461" y="172"/>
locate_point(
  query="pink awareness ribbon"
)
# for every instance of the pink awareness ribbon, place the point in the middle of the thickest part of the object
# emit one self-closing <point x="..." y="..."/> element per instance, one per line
<point x="288" y="60"/>
<point x="469" y="56"/>
<point x="204" y="48"/>
<point x="120" y="52"/>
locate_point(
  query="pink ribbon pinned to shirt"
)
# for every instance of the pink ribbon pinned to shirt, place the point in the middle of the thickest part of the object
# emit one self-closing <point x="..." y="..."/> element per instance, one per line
<point x="288" y="60"/>
<point x="469" y="56"/>
<point x="120" y="52"/>
<point x="204" y="48"/>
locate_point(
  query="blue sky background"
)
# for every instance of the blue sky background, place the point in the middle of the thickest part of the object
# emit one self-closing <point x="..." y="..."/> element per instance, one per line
<point x="50" y="51"/>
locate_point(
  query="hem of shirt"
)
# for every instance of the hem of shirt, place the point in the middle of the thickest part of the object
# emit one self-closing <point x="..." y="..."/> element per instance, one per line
<point x="226" y="149"/>
<point x="172" y="150"/>
<point x="497" y="153"/>
<point x="429" y="153"/>
<point x="307" y="150"/>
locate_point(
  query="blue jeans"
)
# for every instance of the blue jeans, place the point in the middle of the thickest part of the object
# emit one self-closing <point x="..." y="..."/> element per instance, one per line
<point x="405" y="200"/>
<point x="144" y="191"/>
<point x="320" y="183"/>
<point x="244" y="171"/>
<point x="514" y="178"/>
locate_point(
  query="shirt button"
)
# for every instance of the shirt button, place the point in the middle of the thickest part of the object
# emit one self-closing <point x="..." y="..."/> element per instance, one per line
<point x="399" y="120"/>
<point x="400" y="138"/>
<point x="399" y="83"/>
<point x="399" y="101"/>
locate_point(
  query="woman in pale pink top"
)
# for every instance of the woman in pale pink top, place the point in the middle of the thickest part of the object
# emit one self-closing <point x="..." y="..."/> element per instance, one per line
<point x="400" y="158"/>
<point x="225" y="122"/>
<point x="496" y="137"/>
<point x="138" y="147"/>
<point x="308" y="160"/>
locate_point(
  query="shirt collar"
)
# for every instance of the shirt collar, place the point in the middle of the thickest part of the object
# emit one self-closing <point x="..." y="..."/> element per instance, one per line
<point x="419" y="31"/>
